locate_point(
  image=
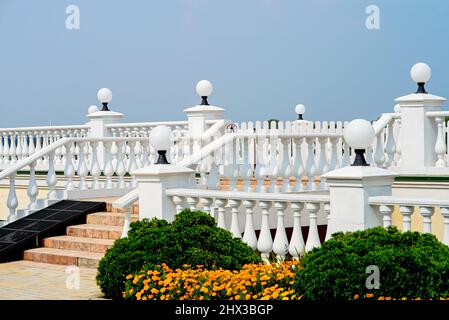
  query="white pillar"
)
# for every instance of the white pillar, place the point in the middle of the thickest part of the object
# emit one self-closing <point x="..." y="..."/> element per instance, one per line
<point x="349" y="188"/>
<point x="197" y="117"/>
<point x="418" y="132"/>
<point x="153" y="182"/>
<point x="98" y="122"/>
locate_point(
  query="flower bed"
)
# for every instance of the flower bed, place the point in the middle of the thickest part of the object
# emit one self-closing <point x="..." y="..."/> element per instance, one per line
<point x="252" y="282"/>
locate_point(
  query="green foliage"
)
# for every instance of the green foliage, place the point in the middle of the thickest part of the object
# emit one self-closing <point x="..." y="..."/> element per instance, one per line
<point x="411" y="265"/>
<point x="192" y="238"/>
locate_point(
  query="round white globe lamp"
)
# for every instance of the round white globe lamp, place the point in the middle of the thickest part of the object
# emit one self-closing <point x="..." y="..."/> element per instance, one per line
<point x="160" y="139"/>
<point x="104" y="95"/>
<point x="359" y="134"/>
<point x="300" y="109"/>
<point x="421" y="73"/>
<point x="92" y="109"/>
<point x="204" y="89"/>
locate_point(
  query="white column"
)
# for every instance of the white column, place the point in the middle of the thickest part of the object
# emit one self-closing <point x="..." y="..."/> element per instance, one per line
<point x="406" y="212"/>
<point x="235" y="227"/>
<point x="445" y="214"/>
<point x="418" y="131"/>
<point x="386" y="211"/>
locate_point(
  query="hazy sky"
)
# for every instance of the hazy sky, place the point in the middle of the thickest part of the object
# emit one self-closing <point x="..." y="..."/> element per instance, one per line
<point x="263" y="57"/>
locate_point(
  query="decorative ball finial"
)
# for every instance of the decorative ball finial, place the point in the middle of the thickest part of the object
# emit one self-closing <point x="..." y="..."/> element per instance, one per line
<point x="204" y="89"/>
<point x="359" y="134"/>
<point x="92" y="109"/>
<point x="300" y="109"/>
<point x="104" y="95"/>
<point x="397" y="108"/>
<point x="421" y="74"/>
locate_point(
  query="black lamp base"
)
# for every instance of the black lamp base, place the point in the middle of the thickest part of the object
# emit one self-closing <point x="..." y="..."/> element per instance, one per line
<point x="204" y="101"/>
<point x="359" y="160"/>
<point x="162" y="158"/>
<point x="105" y="107"/>
<point x="300" y="117"/>
<point x="421" y="88"/>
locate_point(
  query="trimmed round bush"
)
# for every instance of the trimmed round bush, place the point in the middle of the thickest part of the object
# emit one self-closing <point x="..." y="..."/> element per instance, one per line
<point x="411" y="265"/>
<point x="191" y="239"/>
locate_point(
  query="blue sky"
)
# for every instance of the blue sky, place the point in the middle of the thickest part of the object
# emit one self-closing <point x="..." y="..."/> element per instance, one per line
<point x="263" y="57"/>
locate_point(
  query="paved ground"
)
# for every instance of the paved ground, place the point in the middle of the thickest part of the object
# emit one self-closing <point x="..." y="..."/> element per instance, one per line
<point x="26" y="280"/>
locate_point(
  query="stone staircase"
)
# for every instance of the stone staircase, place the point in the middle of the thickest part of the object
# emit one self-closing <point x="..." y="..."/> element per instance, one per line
<point x="85" y="244"/>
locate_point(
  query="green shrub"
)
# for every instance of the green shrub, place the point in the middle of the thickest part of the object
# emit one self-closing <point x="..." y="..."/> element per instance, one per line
<point x="193" y="238"/>
<point x="411" y="265"/>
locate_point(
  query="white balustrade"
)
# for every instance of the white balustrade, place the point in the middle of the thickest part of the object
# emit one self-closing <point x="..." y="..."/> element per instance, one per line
<point x="262" y="213"/>
<point x="406" y="206"/>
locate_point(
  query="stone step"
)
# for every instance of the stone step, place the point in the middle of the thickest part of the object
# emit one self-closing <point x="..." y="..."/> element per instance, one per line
<point x="109" y="218"/>
<point x="95" y="231"/>
<point x="78" y="244"/>
<point x="64" y="257"/>
<point x="134" y="209"/>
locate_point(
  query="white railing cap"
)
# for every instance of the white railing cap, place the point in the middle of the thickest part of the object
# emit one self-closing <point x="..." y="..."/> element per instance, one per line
<point x="391" y="200"/>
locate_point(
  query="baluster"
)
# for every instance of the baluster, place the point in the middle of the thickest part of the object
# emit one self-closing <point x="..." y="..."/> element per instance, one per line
<point x="19" y="145"/>
<point x="406" y="212"/>
<point x="132" y="165"/>
<point x="31" y="144"/>
<point x="297" y="246"/>
<point x="313" y="239"/>
<point x="235" y="227"/>
<point x="445" y="214"/>
<point x="205" y="204"/>
<point x="327" y="212"/>
<point x="247" y="170"/>
<point x="273" y="158"/>
<point x="178" y="201"/>
<point x="69" y="170"/>
<point x="138" y="154"/>
<point x="44" y="145"/>
<point x="228" y="163"/>
<point x="126" y="222"/>
<point x="120" y="169"/>
<point x="386" y="211"/>
<point x="399" y="142"/>
<point x="379" y="154"/>
<point x="58" y="153"/>
<point x="33" y="189"/>
<point x="25" y="148"/>
<point x="310" y="164"/>
<point x="440" y="145"/>
<point x="427" y="213"/>
<point x="280" y="243"/>
<point x="12" y="148"/>
<point x="333" y="164"/>
<point x="82" y="167"/>
<point x="12" y="201"/>
<point x="1" y="148"/>
<point x="38" y="146"/>
<point x="322" y="163"/>
<point x="6" y="144"/>
<point x="249" y="236"/>
<point x="298" y="164"/>
<point x="95" y="169"/>
<point x="221" y="204"/>
<point x="285" y="168"/>
<point x="261" y="163"/>
<point x="265" y="242"/>
<point x="390" y="147"/>
<point x="145" y="160"/>
<point x="52" y="180"/>
<point x="345" y="158"/>
<point x="192" y="201"/>
<point x="108" y="170"/>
